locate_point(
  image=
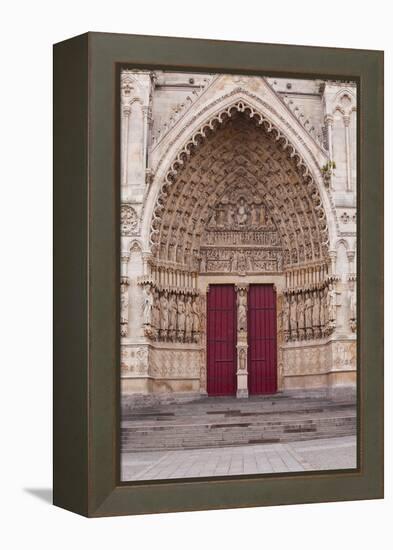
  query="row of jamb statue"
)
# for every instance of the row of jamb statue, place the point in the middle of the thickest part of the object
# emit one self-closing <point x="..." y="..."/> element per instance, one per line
<point x="171" y="315"/>
<point x="309" y="313"/>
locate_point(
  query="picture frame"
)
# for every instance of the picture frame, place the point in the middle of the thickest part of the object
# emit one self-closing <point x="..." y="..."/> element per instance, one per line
<point x="86" y="386"/>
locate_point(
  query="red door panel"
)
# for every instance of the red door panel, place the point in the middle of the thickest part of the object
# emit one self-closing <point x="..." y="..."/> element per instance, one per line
<point x="221" y="340"/>
<point x="262" y="339"/>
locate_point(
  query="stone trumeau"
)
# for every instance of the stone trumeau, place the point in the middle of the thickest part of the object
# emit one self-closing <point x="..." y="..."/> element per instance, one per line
<point x="230" y="179"/>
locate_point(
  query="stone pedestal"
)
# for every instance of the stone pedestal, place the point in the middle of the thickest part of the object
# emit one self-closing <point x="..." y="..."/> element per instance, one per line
<point x="242" y="372"/>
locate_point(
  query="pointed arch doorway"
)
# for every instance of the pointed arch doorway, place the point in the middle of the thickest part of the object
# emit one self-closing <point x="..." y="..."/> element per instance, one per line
<point x="224" y="364"/>
<point x="240" y="209"/>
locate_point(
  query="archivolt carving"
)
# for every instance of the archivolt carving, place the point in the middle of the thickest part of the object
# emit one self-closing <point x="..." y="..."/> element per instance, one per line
<point x="239" y="155"/>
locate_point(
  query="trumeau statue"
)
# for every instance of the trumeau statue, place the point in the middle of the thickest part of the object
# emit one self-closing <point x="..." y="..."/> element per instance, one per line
<point x="242" y="360"/>
<point x="242" y="310"/>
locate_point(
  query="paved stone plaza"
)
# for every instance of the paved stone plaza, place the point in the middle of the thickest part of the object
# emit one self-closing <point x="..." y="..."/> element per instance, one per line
<point x="299" y="456"/>
<point x="228" y="436"/>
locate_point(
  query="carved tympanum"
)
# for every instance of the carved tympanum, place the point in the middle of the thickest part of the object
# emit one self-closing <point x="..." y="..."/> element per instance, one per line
<point x="239" y="203"/>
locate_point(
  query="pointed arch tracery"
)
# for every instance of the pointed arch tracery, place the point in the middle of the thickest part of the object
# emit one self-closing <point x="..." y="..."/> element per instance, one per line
<point x="239" y="146"/>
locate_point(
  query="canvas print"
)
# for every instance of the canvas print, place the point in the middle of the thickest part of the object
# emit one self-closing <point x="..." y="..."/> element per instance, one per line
<point x="238" y="275"/>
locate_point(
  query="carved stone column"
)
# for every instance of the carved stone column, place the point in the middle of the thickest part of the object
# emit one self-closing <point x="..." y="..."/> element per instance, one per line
<point x="203" y="354"/>
<point x="242" y="344"/>
<point x="347" y="120"/>
<point x="329" y="124"/>
<point x="124" y="304"/>
<point x="351" y="257"/>
<point x="333" y="258"/>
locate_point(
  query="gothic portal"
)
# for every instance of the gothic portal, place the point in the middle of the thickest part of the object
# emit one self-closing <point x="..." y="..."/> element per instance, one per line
<point x="238" y="234"/>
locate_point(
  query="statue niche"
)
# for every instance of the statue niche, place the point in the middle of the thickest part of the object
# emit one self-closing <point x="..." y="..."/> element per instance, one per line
<point x="240" y="235"/>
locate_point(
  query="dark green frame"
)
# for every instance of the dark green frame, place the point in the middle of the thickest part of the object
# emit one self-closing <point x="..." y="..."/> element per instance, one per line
<point x="86" y="273"/>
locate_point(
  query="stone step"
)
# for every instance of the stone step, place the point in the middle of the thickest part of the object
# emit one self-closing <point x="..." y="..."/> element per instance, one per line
<point x="207" y="435"/>
<point x="245" y="409"/>
<point x="227" y="416"/>
<point x="200" y="423"/>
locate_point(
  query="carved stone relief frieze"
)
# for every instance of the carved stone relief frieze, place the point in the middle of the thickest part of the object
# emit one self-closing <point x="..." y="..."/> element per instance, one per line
<point x="175" y="363"/>
<point x="240" y="260"/>
<point x="306" y="360"/>
<point x="134" y="360"/>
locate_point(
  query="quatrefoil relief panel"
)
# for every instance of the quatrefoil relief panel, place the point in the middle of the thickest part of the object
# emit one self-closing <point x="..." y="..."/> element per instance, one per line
<point x="128" y="220"/>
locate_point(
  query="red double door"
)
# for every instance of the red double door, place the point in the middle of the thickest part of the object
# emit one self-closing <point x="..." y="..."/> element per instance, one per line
<point x="221" y="340"/>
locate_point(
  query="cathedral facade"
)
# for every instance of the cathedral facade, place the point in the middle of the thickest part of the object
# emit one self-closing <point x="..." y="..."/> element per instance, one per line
<point x="238" y="235"/>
